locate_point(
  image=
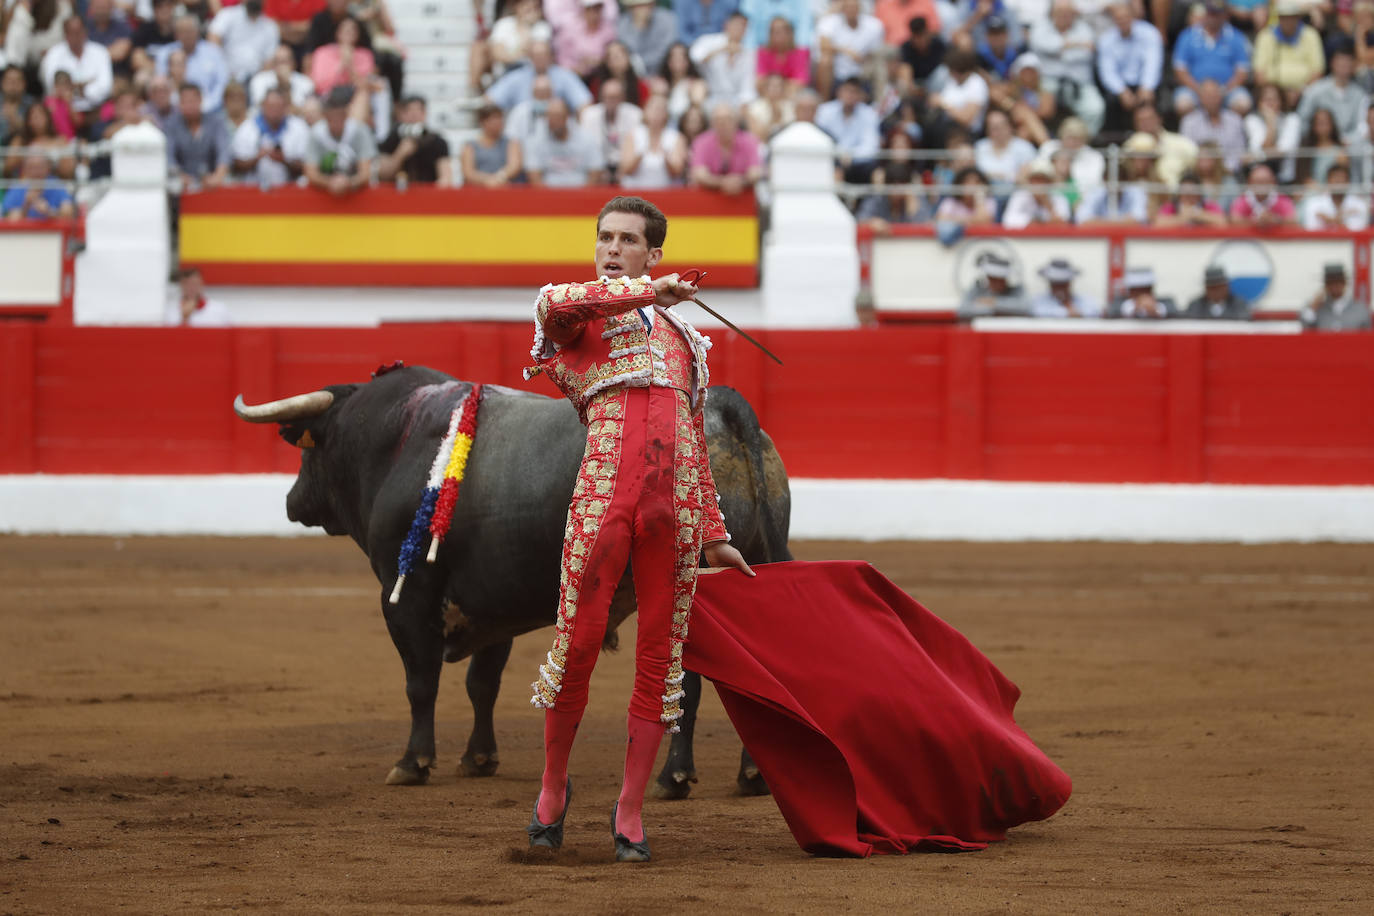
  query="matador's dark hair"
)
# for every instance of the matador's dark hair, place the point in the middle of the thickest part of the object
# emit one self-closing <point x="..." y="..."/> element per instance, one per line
<point x="655" y="223"/>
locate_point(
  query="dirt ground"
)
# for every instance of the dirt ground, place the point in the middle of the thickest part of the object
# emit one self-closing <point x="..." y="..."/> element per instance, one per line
<point x="190" y="725"/>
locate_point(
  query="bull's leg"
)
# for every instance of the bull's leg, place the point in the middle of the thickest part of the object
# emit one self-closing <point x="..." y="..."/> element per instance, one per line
<point x="749" y="780"/>
<point x="680" y="769"/>
<point x="484" y="683"/>
<point x="417" y="633"/>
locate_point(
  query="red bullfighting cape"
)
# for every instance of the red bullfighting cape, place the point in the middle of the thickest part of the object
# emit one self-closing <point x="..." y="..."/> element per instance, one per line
<point x="879" y="728"/>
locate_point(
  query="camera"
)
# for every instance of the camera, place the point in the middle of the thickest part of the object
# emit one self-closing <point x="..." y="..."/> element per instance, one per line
<point x="413" y="131"/>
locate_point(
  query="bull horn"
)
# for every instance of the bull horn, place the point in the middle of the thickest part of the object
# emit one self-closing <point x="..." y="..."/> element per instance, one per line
<point x="287" y="409"/>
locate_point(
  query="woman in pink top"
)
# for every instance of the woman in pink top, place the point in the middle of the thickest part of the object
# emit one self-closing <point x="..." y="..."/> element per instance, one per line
<point x="342" y="63"/>
<point x="782" y="56"/>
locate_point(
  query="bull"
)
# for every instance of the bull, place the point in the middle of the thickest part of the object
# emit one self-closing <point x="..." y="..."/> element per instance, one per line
<point x="366" y="450"/>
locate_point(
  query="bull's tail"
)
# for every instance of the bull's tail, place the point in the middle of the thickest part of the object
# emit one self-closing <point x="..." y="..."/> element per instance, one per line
<point x="774" y="508"/>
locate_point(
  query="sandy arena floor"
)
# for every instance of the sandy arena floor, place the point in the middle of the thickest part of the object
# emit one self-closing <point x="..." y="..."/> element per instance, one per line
<point x="190" y="725"/>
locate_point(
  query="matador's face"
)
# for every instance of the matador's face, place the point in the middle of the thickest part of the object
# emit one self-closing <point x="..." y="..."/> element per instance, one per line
<point x="621" y="248"/>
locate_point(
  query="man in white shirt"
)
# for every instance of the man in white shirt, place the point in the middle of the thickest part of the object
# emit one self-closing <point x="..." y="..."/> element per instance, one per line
<point x="854" y="126"/>
<point x="561" y="154"/>
<point x="247" y="37"/>
<point x="1060" y="301"/>
<point x="527" y="115"/>
<point x="281" y="73"/>
<point x="269" y="148"/>
<point x="1039" y="204"/>
<point x="726" y="64"/>
<point x="86" y="62"/>
<point x="963" y="97"/>
<point x="610" y="120"/>
<point x="191" y="309"/>
<point x="849" y="41"/>
<point x="1336" y="207"/>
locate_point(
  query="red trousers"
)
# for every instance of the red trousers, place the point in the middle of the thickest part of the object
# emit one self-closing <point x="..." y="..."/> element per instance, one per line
<point x="636" y="500"/>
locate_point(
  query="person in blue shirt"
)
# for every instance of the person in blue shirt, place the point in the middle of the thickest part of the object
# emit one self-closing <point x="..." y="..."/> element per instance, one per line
<point x="1212" y="50"/>
<point x="761" y="14"/>
<point x="1130" y="63"/>
<point x="36" y="197"/>
<point x="696" y="18"/>
<point x="206" y="65"/>
<point x="854" y="126"/>
<point x="996" y="50"/>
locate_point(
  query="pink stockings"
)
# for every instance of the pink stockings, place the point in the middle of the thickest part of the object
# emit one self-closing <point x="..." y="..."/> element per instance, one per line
<point x="640" y="753"/>
<point x="560" y="727"/>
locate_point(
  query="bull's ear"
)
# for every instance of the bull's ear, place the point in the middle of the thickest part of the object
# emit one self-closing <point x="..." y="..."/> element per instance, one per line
<point x="301" y="435"/>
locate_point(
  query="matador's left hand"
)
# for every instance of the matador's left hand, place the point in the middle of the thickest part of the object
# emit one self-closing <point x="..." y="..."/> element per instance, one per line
<point x="721" y="554"/>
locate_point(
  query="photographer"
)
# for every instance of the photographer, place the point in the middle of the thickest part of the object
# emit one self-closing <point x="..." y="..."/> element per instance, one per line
<point x="269" y="148"/>
<point x="415" y="151"/>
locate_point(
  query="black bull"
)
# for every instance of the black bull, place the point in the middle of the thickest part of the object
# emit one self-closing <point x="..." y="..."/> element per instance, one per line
<point x="366" y="451"/>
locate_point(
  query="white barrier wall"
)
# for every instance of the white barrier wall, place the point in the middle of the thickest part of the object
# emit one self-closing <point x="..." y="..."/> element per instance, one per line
<point x="31" y="263"/>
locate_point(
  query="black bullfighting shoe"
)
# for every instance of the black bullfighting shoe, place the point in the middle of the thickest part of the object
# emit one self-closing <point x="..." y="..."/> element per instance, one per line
<point x="626" y="851"/>
<point x="549" y="836"/>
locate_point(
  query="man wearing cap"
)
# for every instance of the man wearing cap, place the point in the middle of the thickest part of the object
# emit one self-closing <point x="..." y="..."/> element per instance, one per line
<point x="993" y="292"/>
<point x="1217" y="302"/>
<point x="1040" y="204"/>
<point x="1289" y="54"/>
<point x="1060" y="301"/>
<point x="996" y="51"/>
<point x="1139" y="300"/>
<point x="1130" y="62"/>
<point x="1212" y="49"/>
<point x="1334" y="309"/>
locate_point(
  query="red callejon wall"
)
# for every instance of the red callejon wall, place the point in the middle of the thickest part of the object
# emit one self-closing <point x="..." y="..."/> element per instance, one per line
<point x="895" y="402"/>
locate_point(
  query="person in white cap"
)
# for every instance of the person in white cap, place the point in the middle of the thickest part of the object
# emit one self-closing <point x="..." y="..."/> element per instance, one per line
<point x="1139" y="299"/>
<point x="1060" y="301"/>
<point x="994" y="292"/>
<point x="1040" y="204"/>
<point x="1289" y="54"/>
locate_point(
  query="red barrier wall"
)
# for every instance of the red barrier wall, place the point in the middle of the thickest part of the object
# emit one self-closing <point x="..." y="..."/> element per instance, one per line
<point x="897" y="402"/>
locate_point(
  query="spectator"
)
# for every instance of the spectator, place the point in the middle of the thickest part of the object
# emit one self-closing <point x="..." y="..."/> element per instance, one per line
<point x="1131" y="204"/>
<point x="1001" y="155"/>
<point x="609" y="121"/>
<point x="59" y="102"/>
<point x="1212" y="122"/>
<point x="125" y="113"/>
<point x="1139" y="300"/>
<point x="563" y="14"/>
<point x="269" y="148"/>
<point x="725" y="158"/>
<point x="1214" y="50"/>
<point x="993" y="293"/>
<point x="963" y="98"/>
<point x="39" y="132"/>
<point x="205" y="63"/>
<point x="510" y="41"/>
<point x="651" y="155"/>
<point x="580" y="44"/>
<point x="1086" y="165"/>
<point x="1217" y="183"/>
<point x="1262" y="206"/>
<point x="972" y="29"/>
<point x="324" y="30"/>
<point x="281" y="74"/>
<point x="1290" y="53"/>
<point x="1060" y="301"/>
<point x="529" y="114"/>
<point x="1176" y="153"/>
<point x="561" y="154"/>
<point x="971" y="205"/>
<point x="14" y="103"/>
<point x="1322" y="148"/>
<point x="807" y="104"/>
<point x="1130" y="63"/>
<point x="853" y="125"/>
<point x="492" y="159"/>
<point x="235" y="106"/>
<point x="996" y="51"/>
<point x="1364" y="42"/>
<point x="421" y="155"/>
<point x="1039" y="204"/>
<point x="1061" y="160"/>
<point x="958" y="157"/>
<point x="197" y="142"/>
<point x="772" y="110"/>
<point x="923" y="52"/>
<point x="1188" y="206"/>
<point x="375" y="17"/>
<point x="691" y="125"/>
<point x="34" y="29"/>
<point x="847" y="44"/>
<point x="781" y="57"/>
<point x="1335" y="207"/>
<point x="159" y="108"/>
<point x="112" y="33"/>
<point x="884" y="207"/>
<point x="800" y="14"/>
<point x="1025" y="99"/>
<point x="247" y="37"/>
<point x="36" y="196"/>
<point x="618" y="65"/>
<point x="344" y="62"/>
<point x="152" y="35"/>
<point x="1217" y="301"/>
<point x="1273" y="133"/>
<point x="518" y="83"/>
<point x="176" y="66"/>
<point x="648" y="30"/>
<point x="86" y="62"/>
<point x="726" y="65"/>
<point x="1066" y="47"/>
<point x="192" y="309"/>
<point x="696" y="18"/>
<point x="896" y="17"/>
<point x="1334" y="309"/>
<point x="1338" y="93"/>
<point x="293" y="18"/>
<point x="682" y="82"/>
<point x="340" y="149"/>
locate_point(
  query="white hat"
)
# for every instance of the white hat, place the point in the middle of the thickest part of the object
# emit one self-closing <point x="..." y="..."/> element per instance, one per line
<point x="1139" y="278"/>
<point x="1290" y="8"/>
<point x="1059" y="271"/>
<point x="587" y="3"/>
<point x="1024" y="60"/>
<point x="994" y="265"/>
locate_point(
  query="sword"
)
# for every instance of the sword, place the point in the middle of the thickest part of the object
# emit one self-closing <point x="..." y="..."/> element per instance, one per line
<point x="732" y="326"/>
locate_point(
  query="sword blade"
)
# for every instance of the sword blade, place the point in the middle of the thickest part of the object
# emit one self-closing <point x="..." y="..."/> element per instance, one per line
<point x="734" y="327"/>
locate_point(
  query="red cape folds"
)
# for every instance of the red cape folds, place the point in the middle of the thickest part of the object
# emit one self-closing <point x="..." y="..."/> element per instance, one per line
<point x="879" y="728"/>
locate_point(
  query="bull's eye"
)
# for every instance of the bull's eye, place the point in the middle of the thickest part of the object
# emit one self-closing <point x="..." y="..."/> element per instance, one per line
<point x="306" y="440"/>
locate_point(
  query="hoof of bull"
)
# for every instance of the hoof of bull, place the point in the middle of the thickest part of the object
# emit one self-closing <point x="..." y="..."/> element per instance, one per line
<point x="479" y="764"/>
<point x="750" y="782"/>
<point x="676" y="786"/>
<point x="407" y="775"/>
